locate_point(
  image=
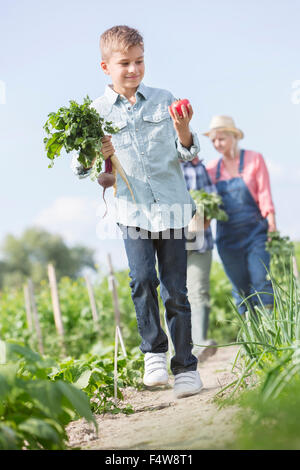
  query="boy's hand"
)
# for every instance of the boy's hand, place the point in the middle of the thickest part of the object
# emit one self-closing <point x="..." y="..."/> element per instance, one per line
<point x="107" y="147"/>
<point x="181" y="124"/>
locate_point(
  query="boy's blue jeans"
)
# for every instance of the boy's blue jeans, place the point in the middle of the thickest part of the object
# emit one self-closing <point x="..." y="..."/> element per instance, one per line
<point x="169" y="247"/>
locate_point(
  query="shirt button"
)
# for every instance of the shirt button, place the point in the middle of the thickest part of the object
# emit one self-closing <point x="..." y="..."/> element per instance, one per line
<point x="142" y="153"/>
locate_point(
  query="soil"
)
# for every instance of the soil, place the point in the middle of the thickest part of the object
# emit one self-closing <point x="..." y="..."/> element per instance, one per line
<point x="162" y="422"/>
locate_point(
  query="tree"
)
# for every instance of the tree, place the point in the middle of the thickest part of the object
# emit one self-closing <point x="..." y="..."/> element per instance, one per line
<point x="28" y="256"/>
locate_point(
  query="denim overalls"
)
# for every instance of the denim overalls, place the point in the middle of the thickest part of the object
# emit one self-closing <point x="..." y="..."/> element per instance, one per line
<point x="241" y="241"/>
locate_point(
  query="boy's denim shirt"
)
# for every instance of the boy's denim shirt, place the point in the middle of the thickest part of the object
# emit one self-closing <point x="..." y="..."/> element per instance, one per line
<point x="149" y="151"/>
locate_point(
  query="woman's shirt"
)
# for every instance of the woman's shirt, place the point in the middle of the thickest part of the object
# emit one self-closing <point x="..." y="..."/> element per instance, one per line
<point x="256" y="177"/>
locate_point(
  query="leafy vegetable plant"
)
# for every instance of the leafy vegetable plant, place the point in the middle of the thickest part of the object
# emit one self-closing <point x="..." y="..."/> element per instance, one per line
<point x="80" y="128"/>
<point x="270" y="342"/>
<point x="211" y="204"/>
<point x="279" y="246"/>
<point x="281" y="250"/>
<point x="77" y="127"/>
<point x="34" y="410"/>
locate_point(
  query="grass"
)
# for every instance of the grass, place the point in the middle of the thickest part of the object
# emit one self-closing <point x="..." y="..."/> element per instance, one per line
<point x="270" y="341"/>
<point x="267" y="368"/>
<point x="270" y="424"/>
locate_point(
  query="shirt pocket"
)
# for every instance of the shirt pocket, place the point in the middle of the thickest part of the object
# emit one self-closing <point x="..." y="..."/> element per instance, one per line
<point x="158" y="125"/>
<point x="122" y="138"/>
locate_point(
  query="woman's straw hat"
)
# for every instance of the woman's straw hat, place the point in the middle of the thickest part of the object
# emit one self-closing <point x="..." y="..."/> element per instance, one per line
<point x="224" y="123"/>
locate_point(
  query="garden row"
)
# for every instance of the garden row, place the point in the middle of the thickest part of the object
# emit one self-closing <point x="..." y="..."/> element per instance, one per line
<point x="267" y="367"/>
<point x="41" y="394"/>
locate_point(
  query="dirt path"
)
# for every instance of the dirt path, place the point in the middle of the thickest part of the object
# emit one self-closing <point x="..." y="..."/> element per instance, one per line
<point x="161" y="422"/>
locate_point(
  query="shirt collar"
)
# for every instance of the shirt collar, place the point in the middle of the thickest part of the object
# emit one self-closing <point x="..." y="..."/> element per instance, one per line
<point x="143" y="90"/>
<point x="112" y="95"/>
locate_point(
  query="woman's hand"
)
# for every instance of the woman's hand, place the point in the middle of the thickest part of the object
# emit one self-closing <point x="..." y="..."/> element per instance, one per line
<point x="272" y="223"/>
<point x="181" y="124"/>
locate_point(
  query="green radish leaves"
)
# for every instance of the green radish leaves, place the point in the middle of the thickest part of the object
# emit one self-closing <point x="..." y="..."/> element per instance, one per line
<point x="211" y="203"/>
<point x="281" y="250"/>
<point x="77" y="128"/>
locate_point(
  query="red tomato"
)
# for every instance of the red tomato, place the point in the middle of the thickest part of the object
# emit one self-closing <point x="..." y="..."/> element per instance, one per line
<point x="177" y="105"/>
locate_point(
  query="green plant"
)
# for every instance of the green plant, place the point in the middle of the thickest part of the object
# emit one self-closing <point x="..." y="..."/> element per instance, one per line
<point x="210" y="203"/>
<point x="281" y="249"/>
<point x="35" y="411"/>
<point x="269" y="425"/>
<point x="81" y="333"/>
<point x="94" y="374"/>
<point x="270" y="342"/>
<point x="297" y="253"/>
<point x="80" y="128"/>
<point x="223" y="324"/>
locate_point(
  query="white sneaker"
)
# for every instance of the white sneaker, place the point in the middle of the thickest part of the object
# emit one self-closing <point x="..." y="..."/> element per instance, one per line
<point x="155" y="369"/>
<point x="187" y="383"/>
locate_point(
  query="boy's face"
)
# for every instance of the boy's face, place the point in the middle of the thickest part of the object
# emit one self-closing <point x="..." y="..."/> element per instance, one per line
<point x="126" y="69"/>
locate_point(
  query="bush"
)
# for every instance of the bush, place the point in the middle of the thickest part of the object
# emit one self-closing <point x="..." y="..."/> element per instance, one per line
<point x="35" y="411"/>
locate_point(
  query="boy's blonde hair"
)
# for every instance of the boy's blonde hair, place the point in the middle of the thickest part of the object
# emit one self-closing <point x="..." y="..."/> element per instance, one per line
<point x="119" y="38"/>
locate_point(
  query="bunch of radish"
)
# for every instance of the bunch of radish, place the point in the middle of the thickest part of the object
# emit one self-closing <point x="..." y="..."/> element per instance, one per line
<point x="80" y="128"/>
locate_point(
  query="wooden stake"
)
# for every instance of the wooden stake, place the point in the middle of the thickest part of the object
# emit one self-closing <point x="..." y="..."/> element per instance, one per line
<point x="121" y="341"/>
<point x="56" y="306"/>
<point x="92" y="301"/>
<point x="28" y="307"/>
<point x="35" y="316"/>
<point x="116" y="367"/>
<point x="118" y="334"/>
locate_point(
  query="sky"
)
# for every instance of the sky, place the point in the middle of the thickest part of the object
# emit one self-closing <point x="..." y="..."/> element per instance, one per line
<point x="226" y="57"/>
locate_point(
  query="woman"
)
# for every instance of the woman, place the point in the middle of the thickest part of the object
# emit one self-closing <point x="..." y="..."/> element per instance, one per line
<point x="242" y="179"/>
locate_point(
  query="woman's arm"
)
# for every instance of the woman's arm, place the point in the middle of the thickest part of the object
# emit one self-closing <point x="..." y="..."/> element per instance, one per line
<point x="264" y="195"/>
<point x="272" y="222"/>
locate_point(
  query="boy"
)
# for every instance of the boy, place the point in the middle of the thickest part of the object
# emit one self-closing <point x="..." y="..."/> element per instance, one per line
<point x="149" y="143"/>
